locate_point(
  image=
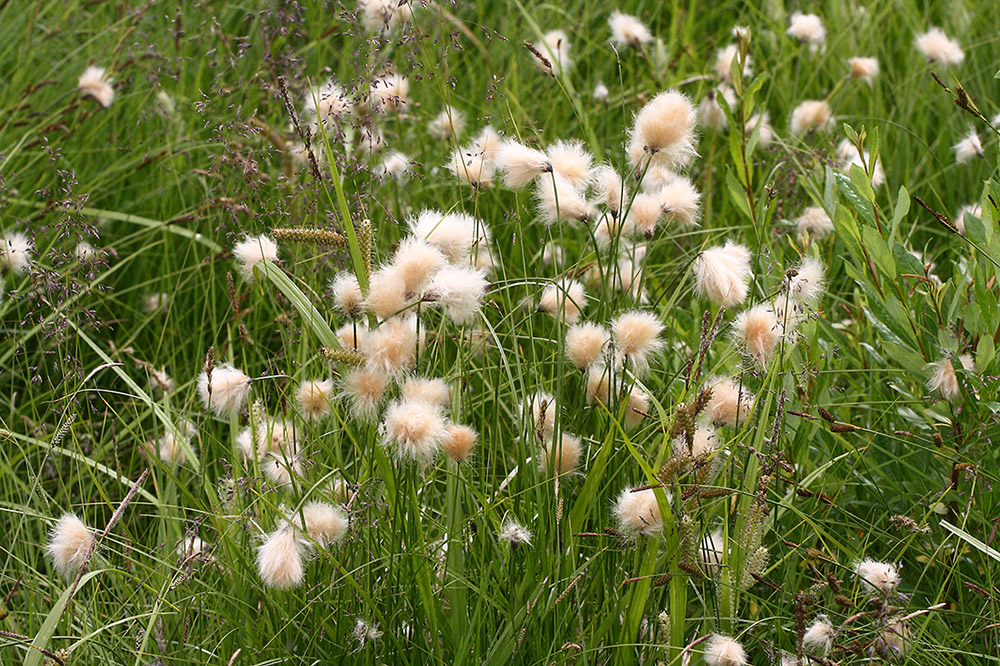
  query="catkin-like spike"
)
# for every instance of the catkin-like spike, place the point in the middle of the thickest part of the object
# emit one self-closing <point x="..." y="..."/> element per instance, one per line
<point x="688" y="541"/>
<point x="345" y="356"/>
<point x="365" y="232"/>
<point x="321" y="237"/>
<point x="755" y="564"/>
<point x="701" y="401"/>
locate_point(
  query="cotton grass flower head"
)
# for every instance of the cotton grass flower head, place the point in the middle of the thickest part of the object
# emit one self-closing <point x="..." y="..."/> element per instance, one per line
<point x="970" y="146"/>
<point x="637" y="512"/>
<point x="644" y="214"/>
<point x="895" y="639"/>
<point x="314" y="397"/>
<point x="562" y="454"/>
<point x="366" y="632"/>
<point x="724" y="651"/>
<point x="389" y="92"/>
<point x="806" y="285"/>
<point x="808" y="29"/>
<point x="280" y="559"/>
<point x="559" y="200"/>
<point x="540" y="414"/>
<point x="325" y="104"/>
<point x="454" y="234"/>
<point x="283" y="465"/>
<point x="435" y="392"/>
<point x="760" y="122"/>
<point x="459" y="441"/>
<point x="938" y="49"/>
<point x="471" y="166"/>
<point x="364" y="389"/>
<point x="515" y="534"/>
<point x="447" y="125"/>
<point x="416" y="262"/>
<point x="680" y="201"/>
<point x="637" y="406"/>
<point x="943" y="379"/>
<point x="724" y="58"/>
<point x="722" y="273"/>
<point x="414" y="429"/>
<point x="15" y="253"/>
<point x="819" y="636"/>
<point x="352" y="336"/>
<point x="325" y="524"/>
<point x="384" y="15"/>
<point x="555" y="46"/>
<point x="811" y="116"/>
<point x="394" y="166"/>
<point x="759" y="331"/>
<point x="392" y="347"/>
<point x="520" y="164"/>
<point x="865" y="69"/>
<point x="571" y="160"/>
<point x="95" y="83"/>
<point x="730" y="402"/>
<point x="598" y="384"/>
<point x="347" y="294"/>
<point x="85" y="252"/>
<point x="161" y="381"/>
<point x="69" y="543"/>
<point x="601" y="93"/>
<point x="636" y="337"/>
<point x="877" y="576"/>
<point x="586" y="344"/>
<point x="609" y="188"/>
<point x="813" y="223"/>
<point x="710" y="112"/>
<point x="627" y="30"/>
<point x="226" y="391"/>
<point x="387" y="292"/>
<point x="563" y="299"/>
<point x="459" y="290"/>
<point x="665" y="129"/>
<point x="251" y="251"/>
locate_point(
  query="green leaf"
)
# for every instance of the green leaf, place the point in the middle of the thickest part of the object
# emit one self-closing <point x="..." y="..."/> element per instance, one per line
<point x="985" y="353"/>
<point x="862" y="183"/>
<point x="971" y="540"/>
<point x="879" y="252"/>
<point x="304" y="306"/>
<point x="738" y="194"/>
<point x="48" y="627"/>
<point x="854" y="198"/>
<point x="899" y="212"/>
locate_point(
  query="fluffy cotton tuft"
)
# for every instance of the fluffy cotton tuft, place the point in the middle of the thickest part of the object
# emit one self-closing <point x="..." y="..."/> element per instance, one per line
<point x="811" y="116"/>
<point x="970" y="146"/>
<point x="389" y="92"/>
<point x="364" y="389"/>
<point x="644" y="214"/>
<point x="540" y="412"/>
<point x="251" y="251"/>
<point x="598" y="384"/>
<point x="471" y="166"/>
<point x="807" y="28"/>
<point x="325" y="524"/>
<point x="559" y="200"/>
<point x="280" y="559"/>
<point x="226" y="391"/>
<point x="515" y="534"/>
<point x="881" y="576"/>
<point x="571" y="160"/>
<point x="434" y="392"/>
<point x="729" y="404"/>
<point x="69" y="542"/>
<point x="724" y="58"/>
<point x="387" y="292"/>
<point x="455" y="234"/>
<point x="759" y="331"/>
<point x="520" y="164"/>
<point x="609" y="188"/>
<point x="637" y="512"/>
<point x="459" y="441"/>
<point x="314" y="397"/>
<point x="94" y="83"/>
<point x="761" y="123"/>
<point x="806" y="286"/>
<point x="585" y="344"/>
<point x="416" y="261"/>
<point x="352" y="336"/>
<point x="813" y="223"/>
<point x="943" y="378"/>
<point x="15" y="253"/>
<point x="627" y="30"/>
<point x="565" y="298"/>
<point x="724" y="651"/>
<point x="415" y="429"/>
<point x="973" y="210"/>
<point x="447" y="125"/>
<point x="555" y="47"/>
<point x="394" y="166"/>
<point x="601" y="92"/>
<point x="680" y="201"/>
<point x="710" y="112"/>
<point x="384" y="15"/>
<point x="665" y="130"/>
<point x="819" y="636"/>
<point x="636" y="337"/>
<point x="347" y="294"/>
<point x="392" y="347"/>
<point x="325" y="104"/>
<point x="460" y="290"/>
<point x="562" y="456"/>
<point x="865" y="69"/>
<point x="723" y="274"/>
<point x="938" y="49"/>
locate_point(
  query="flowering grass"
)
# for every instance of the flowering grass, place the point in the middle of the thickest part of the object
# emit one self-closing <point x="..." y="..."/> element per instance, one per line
<point x="499" y="333"/>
